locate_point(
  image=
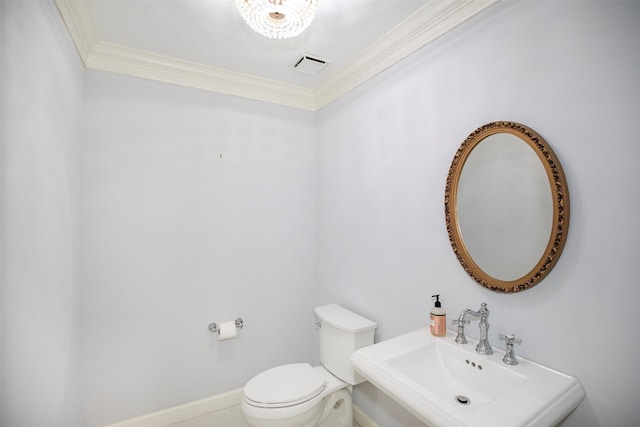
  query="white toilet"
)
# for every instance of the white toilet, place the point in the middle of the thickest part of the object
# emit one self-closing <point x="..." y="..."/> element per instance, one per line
<point x="299" y="395"/>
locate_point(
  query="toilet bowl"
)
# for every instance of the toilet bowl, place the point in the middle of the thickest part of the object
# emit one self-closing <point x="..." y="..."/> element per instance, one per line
<point x="299" y="395"/>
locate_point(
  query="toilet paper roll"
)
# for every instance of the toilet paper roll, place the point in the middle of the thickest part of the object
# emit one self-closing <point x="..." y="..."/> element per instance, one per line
<point x="226" y="330"/>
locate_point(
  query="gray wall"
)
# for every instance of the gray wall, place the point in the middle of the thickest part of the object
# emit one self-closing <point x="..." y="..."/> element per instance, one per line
<point x="196" y="208"/>
<point x="40" y="328"/>
<point x="569" y="70"/>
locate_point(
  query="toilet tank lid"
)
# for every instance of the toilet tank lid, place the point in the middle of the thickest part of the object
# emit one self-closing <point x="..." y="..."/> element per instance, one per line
<point x="341" y="318"/>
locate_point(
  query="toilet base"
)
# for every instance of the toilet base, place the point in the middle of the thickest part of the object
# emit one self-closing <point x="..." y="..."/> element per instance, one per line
<point x="338" y="410"/>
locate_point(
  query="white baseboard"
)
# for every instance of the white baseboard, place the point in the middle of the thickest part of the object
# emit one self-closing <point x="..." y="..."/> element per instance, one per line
<point x="184" y="412"/>
<point x="205" y="406"/>
<point x="362" y="419"/>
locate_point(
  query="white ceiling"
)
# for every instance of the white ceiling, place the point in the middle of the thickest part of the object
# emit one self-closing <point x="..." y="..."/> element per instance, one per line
<point x="206" y="44"/>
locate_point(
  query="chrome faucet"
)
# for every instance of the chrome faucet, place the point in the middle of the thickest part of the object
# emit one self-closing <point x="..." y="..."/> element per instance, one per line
<point x="483" y="346"/>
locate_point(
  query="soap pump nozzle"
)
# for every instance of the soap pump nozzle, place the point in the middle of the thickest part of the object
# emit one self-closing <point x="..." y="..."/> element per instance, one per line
<point x="437" y="303"/>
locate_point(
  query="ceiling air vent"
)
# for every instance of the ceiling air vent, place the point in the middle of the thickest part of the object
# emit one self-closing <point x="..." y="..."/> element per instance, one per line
<point x="309" y="65"/>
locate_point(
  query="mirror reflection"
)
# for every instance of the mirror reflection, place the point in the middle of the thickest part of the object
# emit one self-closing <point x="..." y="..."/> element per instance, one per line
<point x="504" y="206"/>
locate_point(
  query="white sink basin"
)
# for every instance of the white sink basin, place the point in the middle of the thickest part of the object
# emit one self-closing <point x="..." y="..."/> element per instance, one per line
<point x="448" y="384"/>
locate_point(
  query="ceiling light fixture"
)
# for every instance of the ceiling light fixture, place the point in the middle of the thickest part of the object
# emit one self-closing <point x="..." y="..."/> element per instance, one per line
<point x="278" y="19"/>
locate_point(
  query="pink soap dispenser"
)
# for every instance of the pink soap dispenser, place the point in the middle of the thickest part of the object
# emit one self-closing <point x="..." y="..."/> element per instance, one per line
<point x="438" y="317"/>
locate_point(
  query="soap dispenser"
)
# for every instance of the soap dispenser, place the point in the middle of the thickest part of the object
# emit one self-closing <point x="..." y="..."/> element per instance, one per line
<point x="438" y="324"/>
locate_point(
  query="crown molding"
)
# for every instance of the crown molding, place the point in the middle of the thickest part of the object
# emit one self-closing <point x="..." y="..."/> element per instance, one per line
<point x="79" y="22"/>
<point x="428" y="23"/>
<point x="425" y="25"/>
<point x="139" y="63"/>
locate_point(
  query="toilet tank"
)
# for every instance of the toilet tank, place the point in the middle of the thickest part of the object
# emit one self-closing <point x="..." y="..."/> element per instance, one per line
<point x="342" y="332"/>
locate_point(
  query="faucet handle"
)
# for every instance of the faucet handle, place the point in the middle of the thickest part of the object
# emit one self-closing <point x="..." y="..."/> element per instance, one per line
<point x="510" y="339"/>
<point x="461" y="321"/>
<point x="509" y="356"/>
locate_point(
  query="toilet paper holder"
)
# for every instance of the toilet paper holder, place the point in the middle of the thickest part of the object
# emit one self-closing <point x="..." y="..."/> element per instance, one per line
<point x="214" y="328"/>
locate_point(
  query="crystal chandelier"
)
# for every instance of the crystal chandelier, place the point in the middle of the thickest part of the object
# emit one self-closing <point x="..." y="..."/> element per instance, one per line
<point x="278" y="19"/>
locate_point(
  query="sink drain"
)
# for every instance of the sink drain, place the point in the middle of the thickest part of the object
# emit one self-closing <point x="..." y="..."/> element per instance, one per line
<point x="463" y="400"/>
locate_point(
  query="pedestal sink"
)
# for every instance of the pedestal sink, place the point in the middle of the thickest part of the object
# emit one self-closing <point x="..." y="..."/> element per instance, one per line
<point x="448" y="384"/>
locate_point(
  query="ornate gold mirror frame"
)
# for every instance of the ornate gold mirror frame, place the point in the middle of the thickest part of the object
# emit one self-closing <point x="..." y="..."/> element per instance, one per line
<point x="559" y="196"/>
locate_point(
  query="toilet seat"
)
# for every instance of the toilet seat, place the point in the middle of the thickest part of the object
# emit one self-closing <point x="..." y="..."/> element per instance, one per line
<point x="284" y="386"/>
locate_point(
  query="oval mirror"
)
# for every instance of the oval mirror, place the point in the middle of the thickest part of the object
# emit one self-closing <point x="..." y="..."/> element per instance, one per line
<point x="506" y="207"/>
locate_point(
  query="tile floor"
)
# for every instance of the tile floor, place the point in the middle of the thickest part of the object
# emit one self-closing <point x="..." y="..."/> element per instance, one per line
<point x="229" y="417"/>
